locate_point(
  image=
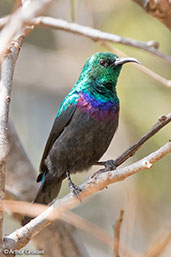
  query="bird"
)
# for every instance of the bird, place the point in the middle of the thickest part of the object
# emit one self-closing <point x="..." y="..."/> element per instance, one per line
<point x="83" y="128"/>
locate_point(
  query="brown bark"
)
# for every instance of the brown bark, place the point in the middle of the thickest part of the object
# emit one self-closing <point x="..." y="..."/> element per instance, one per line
<point x="160" y="9"/>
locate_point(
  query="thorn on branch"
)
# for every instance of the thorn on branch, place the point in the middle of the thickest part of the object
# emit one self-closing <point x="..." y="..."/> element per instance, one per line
<point x="162" y="118"/>
<point x="153" y="44"/>
<point x="8" y="98"/>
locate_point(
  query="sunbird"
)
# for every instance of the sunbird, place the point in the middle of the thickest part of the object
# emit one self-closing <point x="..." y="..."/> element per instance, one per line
<point x="84" y="126"/>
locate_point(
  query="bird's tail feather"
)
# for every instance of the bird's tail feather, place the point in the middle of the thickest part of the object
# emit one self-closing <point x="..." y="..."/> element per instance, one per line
<point x="46" y="193"/>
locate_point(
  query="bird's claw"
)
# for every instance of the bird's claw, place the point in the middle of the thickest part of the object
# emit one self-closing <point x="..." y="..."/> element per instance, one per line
<point x="110" y="165"/>
<point x="75" y="190"/>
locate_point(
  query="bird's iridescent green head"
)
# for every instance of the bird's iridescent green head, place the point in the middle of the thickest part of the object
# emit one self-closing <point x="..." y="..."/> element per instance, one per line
<point x="103" y="69"/>
<point x="98" y="79"/>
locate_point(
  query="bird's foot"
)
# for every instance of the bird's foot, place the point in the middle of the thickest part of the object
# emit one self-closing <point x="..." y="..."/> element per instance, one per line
<point x="109" y="165"/>
<point x="75" y="190"/>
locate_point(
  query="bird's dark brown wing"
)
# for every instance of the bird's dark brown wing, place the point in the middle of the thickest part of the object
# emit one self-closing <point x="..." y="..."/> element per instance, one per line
<point x="59" y="125"/>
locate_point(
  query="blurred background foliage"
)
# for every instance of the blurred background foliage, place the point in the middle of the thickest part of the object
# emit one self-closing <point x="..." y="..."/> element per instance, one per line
<point x="48" y="66"/>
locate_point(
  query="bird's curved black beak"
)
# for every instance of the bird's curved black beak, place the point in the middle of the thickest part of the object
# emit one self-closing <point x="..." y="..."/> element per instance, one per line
<point x="121" y="61"/>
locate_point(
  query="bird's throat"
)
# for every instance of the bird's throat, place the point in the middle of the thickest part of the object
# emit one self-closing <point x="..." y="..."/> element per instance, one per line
<point x="99" y="109"/>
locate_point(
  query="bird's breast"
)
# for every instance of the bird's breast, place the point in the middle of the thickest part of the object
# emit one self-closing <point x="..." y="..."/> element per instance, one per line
<point x="98" y="109"/>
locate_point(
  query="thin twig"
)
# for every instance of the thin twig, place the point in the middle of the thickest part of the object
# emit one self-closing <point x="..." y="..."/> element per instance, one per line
<point x="7" y="69"/>
<point x="18" y="21"/>
<point x="117" y="229"/>
<point x="97" y="35"/>
<point x="19" y="207"/>
<point x="94" y="183"/>
<point x="141" y="67"/>
<point x="162" y="121"/>
<point x="94" y="34"/>
<point x="97" y="232"/>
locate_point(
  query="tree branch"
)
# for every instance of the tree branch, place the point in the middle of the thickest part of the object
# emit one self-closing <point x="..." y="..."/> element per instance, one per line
<point x="8" y="58"/>
<point x="117" y="229"/>
<point x="13" y="206"/>
<point x="94" y="34"/>
<point x="19" y="19"/>
<point x="160" y="9"/>
<point x="93" y="184"/>
<point x="162" y="121"/>
<point x="7" y="70"/>
<point x="98" y="35"/>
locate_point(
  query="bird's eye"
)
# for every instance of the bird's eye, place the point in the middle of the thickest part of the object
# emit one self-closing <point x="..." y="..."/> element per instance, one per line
<point x="102" y="62"/>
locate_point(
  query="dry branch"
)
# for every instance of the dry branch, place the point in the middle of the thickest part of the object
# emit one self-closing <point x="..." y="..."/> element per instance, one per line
<point x="7" y="70"/>
<point x="71" y="218"/>
<point x="162" y="121"/>
<point x="117" y="230"/>
<point x="160" y="9"/>
<point x="142" y="68"/>
<point x="94" y="34"/>
<point x="93" y="184"/>
<point x="97" y="232"/>
<point x="18" y="20"/>
<point x="97" y="35"/>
